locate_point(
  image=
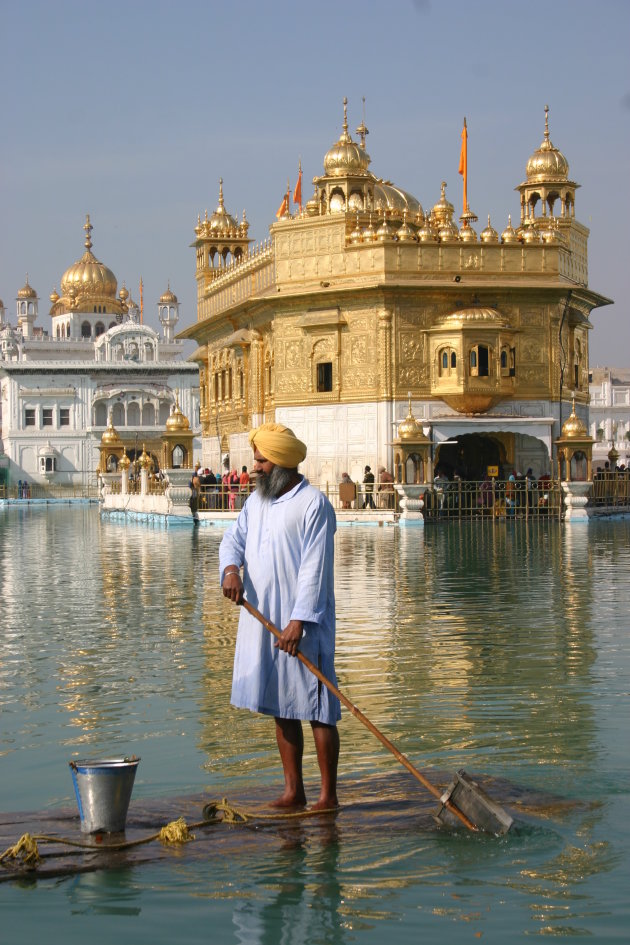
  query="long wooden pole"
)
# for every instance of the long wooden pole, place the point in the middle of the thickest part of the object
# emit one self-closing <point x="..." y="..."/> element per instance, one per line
<point x="364" y="719"/>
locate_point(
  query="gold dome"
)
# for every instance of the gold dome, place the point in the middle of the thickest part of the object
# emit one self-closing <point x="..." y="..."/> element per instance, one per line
<point x="410" y="429"/>
<point x="27" y="291"/>
<point x="110" y="435"/>
<point x="489" y="235"/>
<point x="385" y="231"/>
<point x="443" y="209"/>
<point x="144" y="460"/>
<point x="123" y="295"/>
<point x="547" y="163"/>
<point x="177" y="422"/>
<point x="388" y="197"/>
<point x="89" y="277"/>
<point x="221" y="221"/>
<point x="405" y="234"/>
<point x="574" y="428"/>
<point x="509" y="234"/>
<point x="124" y="462"/>
<point x="529" y="234"/>
<point x="168" y="297"/>
<point x="473" y="316"/>
<point x="346" y="157"/>
<point x="467" y="234"/>
<point x="54" y="297"/>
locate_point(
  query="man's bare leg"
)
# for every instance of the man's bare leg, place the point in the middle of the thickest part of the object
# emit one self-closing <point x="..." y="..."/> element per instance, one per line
<point x="290" y="739"/>
<point x="327" y="747"/>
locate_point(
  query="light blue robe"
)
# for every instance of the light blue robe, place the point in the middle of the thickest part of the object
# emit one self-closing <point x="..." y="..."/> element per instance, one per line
<point x="286" y="547"/>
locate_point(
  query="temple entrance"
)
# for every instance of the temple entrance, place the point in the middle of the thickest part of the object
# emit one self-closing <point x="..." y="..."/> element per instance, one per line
<point x="469" y="456"/>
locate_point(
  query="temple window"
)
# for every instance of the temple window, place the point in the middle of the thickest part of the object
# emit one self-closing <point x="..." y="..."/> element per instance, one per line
<point x="47" y="417"/>
<point x="86" y="330"/>
<point x="29" y="417"/>
<point x="99" y="329"/>
<point x="64" y="416"/>
<point x="324" y="377"/>
<point x="479" y="361"/>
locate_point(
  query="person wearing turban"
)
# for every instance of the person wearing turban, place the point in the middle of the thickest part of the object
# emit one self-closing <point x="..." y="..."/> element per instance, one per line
<point x="283" y="540"/>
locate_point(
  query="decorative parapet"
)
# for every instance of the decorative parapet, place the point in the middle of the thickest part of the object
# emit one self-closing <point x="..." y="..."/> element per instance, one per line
<point x="240" y="282"/>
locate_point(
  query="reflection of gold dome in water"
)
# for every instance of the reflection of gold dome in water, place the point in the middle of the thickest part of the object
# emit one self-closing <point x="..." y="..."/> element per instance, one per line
<point x="88" y="276"/>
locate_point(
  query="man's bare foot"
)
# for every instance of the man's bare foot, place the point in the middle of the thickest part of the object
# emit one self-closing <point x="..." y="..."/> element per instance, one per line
<point x="290" y="800"/>
<point x="326" y="803"/>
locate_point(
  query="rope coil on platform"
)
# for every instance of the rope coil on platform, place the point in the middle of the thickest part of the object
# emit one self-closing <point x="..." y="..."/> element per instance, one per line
<point x="26" y="849"/>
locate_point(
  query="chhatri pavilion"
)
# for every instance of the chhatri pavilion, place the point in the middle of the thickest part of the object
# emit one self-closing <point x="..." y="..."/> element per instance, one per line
<point x="363" y="306"/>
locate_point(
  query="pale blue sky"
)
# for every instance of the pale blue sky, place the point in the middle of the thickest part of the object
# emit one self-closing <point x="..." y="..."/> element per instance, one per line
<point x="132" y="110"/>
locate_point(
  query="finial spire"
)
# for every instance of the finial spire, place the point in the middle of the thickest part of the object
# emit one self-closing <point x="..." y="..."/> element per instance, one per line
<point x="220" y="191"/>
<point x="88" y="231"/>
<point x="345" y="115"/>
<point x="547" y="122"/>
<point x="362" y="130"/>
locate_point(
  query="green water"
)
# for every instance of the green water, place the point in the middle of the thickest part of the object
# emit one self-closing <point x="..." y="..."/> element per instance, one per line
<point x="503" y="649"/>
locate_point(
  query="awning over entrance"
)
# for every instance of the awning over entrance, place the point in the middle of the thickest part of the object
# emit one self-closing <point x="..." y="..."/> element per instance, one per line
<point x="449" y="428"/>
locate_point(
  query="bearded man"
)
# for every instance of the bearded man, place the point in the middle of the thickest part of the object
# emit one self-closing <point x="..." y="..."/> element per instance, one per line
<point x="283" y="541"/>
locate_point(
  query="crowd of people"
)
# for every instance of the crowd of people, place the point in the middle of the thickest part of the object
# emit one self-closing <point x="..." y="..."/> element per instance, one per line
<point x="226" y="491"/>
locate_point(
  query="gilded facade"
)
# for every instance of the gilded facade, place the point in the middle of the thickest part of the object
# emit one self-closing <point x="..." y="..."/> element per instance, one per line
<point x="363" y="299"/>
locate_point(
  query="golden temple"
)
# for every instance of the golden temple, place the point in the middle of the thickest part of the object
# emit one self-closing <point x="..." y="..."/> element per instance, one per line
<point x="362" y="296"/>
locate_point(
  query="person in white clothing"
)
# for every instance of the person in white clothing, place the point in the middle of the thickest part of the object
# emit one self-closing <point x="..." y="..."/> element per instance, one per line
<point x="283" y="541"/>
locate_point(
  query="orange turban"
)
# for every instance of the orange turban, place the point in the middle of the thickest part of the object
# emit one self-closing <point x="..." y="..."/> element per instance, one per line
<point x="278" y="444"/>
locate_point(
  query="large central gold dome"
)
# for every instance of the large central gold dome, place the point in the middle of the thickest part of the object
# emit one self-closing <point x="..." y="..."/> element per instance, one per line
<point x="89" y="277"/>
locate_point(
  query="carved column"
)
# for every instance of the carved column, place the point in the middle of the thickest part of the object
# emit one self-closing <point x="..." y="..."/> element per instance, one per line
<point x="385" y="354"/>
<point x="256" y="368"/>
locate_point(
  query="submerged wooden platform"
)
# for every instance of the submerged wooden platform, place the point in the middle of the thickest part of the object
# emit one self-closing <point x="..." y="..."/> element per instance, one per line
<point x="381" y="805"/>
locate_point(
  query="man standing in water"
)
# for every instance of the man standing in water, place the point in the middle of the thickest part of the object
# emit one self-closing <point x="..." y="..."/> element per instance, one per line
<point x="283" y="540"/>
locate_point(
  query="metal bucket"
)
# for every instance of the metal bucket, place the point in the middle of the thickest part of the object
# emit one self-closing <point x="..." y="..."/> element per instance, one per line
<point x="103" y="791"/>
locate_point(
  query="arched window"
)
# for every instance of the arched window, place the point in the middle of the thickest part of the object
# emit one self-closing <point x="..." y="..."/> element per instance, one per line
<point x="86" y="330"/>
<point x="165" y="411"/>
<point x="99" y="329"/>
<point x="444" y="360"/>
<point x="453" y="359"/>
<point x="100" y="415"/>
<point x="118" y="415"/>
<point x="133" y="414"/>
<point x="177" y="457"/>
<point x="148" y="415"/>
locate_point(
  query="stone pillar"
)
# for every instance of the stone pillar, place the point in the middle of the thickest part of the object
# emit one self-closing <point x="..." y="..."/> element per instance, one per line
<point x="124" y="480"/>
<point x="411" y="502"/>
<point x="178" y="492"/>
<point x="575" y="498"/>
<point x="144" y="481"/>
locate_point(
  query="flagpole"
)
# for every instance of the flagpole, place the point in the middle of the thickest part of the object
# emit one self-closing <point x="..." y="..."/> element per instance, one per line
<point x="141" y="302"/>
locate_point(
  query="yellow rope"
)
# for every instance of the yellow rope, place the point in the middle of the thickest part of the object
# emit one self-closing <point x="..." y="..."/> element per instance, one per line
<point x="26" y="848"/>
<point x="177" y="831"/>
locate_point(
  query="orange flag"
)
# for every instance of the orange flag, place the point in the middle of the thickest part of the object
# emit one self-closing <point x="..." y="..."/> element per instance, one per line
<point x="283" y="208"/>
<point x="297" y="193"/>
<point x="463" y="163"/>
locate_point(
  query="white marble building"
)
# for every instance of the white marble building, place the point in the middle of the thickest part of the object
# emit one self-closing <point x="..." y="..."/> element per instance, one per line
<point x="59" y="382"/>
<point x="609" y="414"/>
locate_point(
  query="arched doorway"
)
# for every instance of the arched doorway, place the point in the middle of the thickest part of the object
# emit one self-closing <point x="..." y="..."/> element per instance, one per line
<point x="469" y="456"/>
